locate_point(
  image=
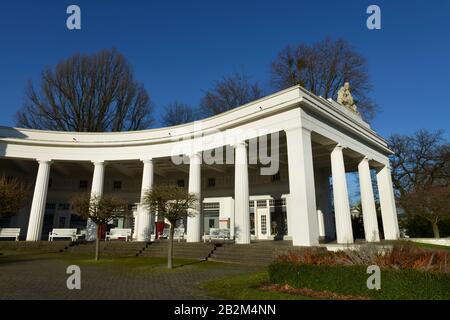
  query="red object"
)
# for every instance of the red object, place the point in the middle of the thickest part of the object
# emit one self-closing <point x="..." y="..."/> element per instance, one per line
<point x="102" y="231"/>
<point x="159" y="228"/>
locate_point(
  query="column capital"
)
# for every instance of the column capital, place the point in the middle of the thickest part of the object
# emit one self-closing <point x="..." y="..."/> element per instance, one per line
<point x="240" y="144"/>
<point x="365" y="159"/>
<point x="339" y="146"/>
<point x="44" y="161"/>
<point x="98" y="162"/>
<point x="304" y="130"/>
<point x="384" y="166"/>
<point x="147" y="160"/>
<point x="197" y="154"/>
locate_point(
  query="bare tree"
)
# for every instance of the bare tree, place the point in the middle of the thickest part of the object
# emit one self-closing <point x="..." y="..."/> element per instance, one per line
<point x="87" y="93"/>
<point x="421" y="175"/>
<point x="13" y="194"/>
<point x="229" y="93"/>
<point x="100" y="210"/>
<point x="173" y="203"/>
<point x="323" y="68"/>
<point x="178" y="113"/>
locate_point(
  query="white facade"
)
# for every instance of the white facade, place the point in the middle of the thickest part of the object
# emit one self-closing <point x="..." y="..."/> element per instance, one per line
<point x="319" y="142"/>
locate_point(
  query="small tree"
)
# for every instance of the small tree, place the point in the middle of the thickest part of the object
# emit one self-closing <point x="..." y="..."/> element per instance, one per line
<point x="100" y="210"/>
<point x="172" y="203"/>
<point x="13" y="194"/>
<point x="421" y="175"/>
<point x="432" y="204"/>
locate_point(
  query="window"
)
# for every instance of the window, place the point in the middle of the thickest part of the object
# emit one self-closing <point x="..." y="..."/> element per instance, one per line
<point x="63" y="206"/>
<point x="276" y="177"/>
<point x="117" y="185"/>
<point x="263" y="224"/>
<point x="261" y="203"/>
<point x="211" y="205"/>
<point x="50" y="206"/>
<point x="277" y="202"/>
<point x="180" y="183"/>
<point x="62" y="222"/>
<point x="211" y="182"/>
<point x="83" y="184"/>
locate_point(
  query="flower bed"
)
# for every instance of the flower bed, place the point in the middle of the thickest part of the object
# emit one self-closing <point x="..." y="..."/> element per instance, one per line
<point x="407" y="272"/>
<point x="403" y="257"/>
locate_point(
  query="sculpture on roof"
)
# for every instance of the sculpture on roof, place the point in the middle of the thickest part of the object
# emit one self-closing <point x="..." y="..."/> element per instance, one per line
<point x="345" y="97"/>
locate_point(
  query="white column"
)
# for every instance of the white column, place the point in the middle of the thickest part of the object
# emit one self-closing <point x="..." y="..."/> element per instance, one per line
<point x="289" y="213"/>
<point x="241" y="195"/>
<point x="303" y="221"/>
<point x="322" y="201"/>
<point x="144" y="215"/>
<point x="136" y="223"/>
<point x="97" y="191"/>
<point x="330" y="228"/>
<point x="34" y="232"/>
<point x="387" y="203"/>
<point x="229" y="207"/>
<point x="194" y="222"/>
<point x="368" y="202"/>
<point x="344" y="230"/>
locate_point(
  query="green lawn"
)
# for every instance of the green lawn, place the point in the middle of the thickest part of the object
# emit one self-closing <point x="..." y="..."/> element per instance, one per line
<point x="245" y="287"/>
<point x="132" y="264"/>
<point x="431" y="246"/>
<point x="352" y="280"/>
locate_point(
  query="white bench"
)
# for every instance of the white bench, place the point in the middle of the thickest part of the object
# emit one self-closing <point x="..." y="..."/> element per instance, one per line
<point x="217" y="234"/>
<point x="63" y="233"/>
<point x="118" y="233"/>
<point x="178" y="234"/>
<point x="10" y="233"/>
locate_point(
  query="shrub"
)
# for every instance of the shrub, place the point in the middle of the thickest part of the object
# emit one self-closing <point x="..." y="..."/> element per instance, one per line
<point x="416" y="226"/>
<point x="351" y="280"/>
<point x="403" y="256"/>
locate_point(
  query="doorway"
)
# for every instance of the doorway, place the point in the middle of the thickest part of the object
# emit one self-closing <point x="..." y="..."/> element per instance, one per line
<point x="211" y="220"/>
<point x="263" y="219"/>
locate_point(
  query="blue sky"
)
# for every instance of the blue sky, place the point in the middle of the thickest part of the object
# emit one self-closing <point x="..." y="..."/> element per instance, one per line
<point x="178" y="48"/>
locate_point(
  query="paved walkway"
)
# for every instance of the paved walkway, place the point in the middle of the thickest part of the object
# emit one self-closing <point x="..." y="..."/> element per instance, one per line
<point x="45" y="278"/>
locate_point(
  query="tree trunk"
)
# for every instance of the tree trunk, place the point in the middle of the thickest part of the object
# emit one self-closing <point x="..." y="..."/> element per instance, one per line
<point x="170" y="249"/>
<point x="435" y="227"/>
<point x="97" y="243"/>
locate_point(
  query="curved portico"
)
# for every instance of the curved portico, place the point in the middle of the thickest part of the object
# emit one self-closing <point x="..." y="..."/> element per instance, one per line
<point x="319" y="141"/>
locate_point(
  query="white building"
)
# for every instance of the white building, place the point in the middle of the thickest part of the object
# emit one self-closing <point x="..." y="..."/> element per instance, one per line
<point x="314" y="143"/>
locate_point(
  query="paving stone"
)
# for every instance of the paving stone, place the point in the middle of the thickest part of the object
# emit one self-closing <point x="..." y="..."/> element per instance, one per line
<point x="45" y="278"/>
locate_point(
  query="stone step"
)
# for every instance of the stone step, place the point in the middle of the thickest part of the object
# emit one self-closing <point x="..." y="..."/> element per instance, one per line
<point x="241" y="258"/>
<point x="240" y="261"/>
<point x="180" y="245"/>
<point x="188" y="251"/>
<point x="82" y="247"/>
<point x="176" y="255"/>
<point x="258" y="253"/>
<point x="180" y="249"/>
<point x="35" y="246"/>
